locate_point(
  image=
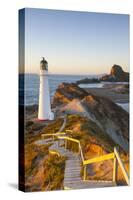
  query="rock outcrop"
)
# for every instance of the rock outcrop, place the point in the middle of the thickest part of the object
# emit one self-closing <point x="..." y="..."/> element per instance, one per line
<point x="107" y="115"/>
<point x="116" y="75"/>
<point x="110" y="117"/>
<point x="88" y="80"/>
<point x="66" y="92"/>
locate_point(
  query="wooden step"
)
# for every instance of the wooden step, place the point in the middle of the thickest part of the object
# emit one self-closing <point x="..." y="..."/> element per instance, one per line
<point x="72" y="178"/>
<point x="82" y="185"/>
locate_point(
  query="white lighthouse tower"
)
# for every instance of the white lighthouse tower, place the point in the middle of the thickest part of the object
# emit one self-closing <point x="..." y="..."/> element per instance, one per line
<point x="44" y="111"/>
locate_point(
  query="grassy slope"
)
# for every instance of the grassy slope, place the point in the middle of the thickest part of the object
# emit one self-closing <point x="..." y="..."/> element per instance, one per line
<point x="42" y="170"/>
<point x="46" y="172"/>
<point x="88" y="132"/>
<point x="94" y="143"/>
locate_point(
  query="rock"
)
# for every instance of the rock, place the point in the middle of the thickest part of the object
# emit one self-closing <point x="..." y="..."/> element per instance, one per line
<point x="74" y="107"/>
<point x="121" y="89"/>
<point x="107" y="115"/>
<point x="87" y="80"/>
<point x="110" y="117"/>
<point x="117" y="74"/>
<point x="66" y="92"/>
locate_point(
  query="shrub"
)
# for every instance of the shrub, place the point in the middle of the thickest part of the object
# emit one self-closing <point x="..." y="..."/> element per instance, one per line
<point x="54" y="168"/>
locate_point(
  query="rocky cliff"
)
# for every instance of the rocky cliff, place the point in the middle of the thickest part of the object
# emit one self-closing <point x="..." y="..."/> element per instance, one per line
<point x="111" y="118"/>
<point x="66" y="92"/>
<point x="88" y="80"/>
<point x="116" y="74"/>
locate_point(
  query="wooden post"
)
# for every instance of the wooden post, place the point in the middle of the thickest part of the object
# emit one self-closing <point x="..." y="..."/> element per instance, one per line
<point x="115" y="168"/>
<point x="65" y="143"/>
<point x="84" y="172"/>
<point x="79" y="149"/>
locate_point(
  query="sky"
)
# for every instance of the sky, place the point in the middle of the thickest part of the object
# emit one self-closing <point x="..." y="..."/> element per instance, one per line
<point x="75" y="42"/>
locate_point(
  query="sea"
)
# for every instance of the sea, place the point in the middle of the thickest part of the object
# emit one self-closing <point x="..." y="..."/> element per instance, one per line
<point x="31" y="86"/>
<point x="31" y="83"/>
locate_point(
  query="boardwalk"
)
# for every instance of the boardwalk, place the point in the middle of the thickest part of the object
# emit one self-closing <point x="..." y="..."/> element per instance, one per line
<point x="72" y="174"/>
<point x="72" y="177"/>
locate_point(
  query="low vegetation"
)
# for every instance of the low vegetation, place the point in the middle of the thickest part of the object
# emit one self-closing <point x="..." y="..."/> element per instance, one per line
<point x="94" y="143"/>
<point x="43" y="171"/>
<point x="54" y="167"/>
<point x="88" y="133"/>
<point x="53" y="127"/>
<point x="33" y="153"/>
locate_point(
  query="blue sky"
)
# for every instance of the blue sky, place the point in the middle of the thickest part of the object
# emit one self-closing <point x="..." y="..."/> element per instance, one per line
<point x="76" y="42"/>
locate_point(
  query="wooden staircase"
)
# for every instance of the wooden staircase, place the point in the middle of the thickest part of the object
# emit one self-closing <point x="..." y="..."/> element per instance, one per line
<point x="72" y="176"/>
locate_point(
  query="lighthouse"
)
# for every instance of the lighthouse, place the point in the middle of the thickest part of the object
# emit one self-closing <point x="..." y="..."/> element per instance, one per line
<point x="44" y="111"/>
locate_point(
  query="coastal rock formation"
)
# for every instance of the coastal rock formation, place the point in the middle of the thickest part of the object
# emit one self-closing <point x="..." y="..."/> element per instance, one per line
<point x="107" y="115"/>
<point x="116" y="74"/>
<point x="110" y="117"/>
<point x="87" y="80"/>
<point x="66" y="92"/>
<point x="118" y="88"/>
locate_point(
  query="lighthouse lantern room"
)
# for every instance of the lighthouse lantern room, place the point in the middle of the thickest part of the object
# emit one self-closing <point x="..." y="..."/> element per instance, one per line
<point x="44" y="111"/>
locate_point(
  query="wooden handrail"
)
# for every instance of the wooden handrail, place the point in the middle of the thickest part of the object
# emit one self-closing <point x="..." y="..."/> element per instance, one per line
<point x="115" y="155"/>
<point x="53" y="134"/>
<point x="99" y="159"/>
<point x="105" y="157"/>
<point x="54" y="152"/>
<point x="81" y="153"/>
<point x="69" y="131"/>
<point x="68" y="138"/>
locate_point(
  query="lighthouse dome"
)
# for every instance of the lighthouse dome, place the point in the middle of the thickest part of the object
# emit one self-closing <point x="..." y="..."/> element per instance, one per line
<point x="44" y="64"/>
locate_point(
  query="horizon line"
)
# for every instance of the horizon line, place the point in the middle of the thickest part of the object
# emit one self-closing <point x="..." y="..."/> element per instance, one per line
<point x="63" y="74"/>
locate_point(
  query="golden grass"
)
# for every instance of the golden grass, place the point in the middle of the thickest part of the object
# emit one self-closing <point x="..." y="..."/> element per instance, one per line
<point x="94" y="143"/>
<point x="42" y="170"/>
<point x="54" y="167"/>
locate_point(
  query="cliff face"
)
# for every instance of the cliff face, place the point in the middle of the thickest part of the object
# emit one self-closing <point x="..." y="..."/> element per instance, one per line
<point x="116" y="74"/>
<point x="66" y="92"/>
<point x="111" y="118"/>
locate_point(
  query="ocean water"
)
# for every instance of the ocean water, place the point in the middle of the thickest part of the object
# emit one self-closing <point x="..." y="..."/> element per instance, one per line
<point x="92" y="85"/>
<point x="31" y="89"/>
<point x="125" y="106"/>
